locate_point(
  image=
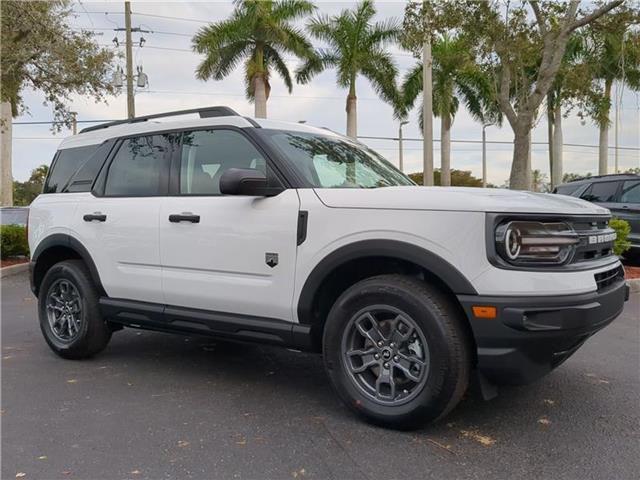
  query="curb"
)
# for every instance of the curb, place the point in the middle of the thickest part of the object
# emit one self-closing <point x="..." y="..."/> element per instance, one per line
<point x="634" y="285"/>
<point x="14" y="269"/>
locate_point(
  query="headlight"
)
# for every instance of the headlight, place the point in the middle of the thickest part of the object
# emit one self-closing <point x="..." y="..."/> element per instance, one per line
<point x="528" y="243"/>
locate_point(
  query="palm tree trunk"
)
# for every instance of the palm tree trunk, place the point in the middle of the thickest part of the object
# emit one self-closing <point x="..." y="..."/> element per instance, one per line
<point x="352" y="127"/>
<point x="520" y="178"/>
<point x="352" y="116"/>
<point x="260" y="93"/>
<point x="260" y="85"/>
<point x="603" y="145"/>
<point x="6" y="184"/>
<point x="557" y="169"/>
<point x="445" y="150"/>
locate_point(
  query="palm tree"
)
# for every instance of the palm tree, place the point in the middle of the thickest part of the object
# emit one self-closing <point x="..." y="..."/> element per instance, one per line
<point x="455" y="76"/>
<point x="614" y="56"/>
<point x="355" y="46"/>
<point x="260" y="33"/>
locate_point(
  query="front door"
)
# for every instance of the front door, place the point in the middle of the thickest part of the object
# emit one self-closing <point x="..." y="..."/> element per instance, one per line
<point x="222" y="253"/>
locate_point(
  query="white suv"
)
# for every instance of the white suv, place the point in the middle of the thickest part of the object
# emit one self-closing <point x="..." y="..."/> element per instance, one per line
<point x="287" y="234"/>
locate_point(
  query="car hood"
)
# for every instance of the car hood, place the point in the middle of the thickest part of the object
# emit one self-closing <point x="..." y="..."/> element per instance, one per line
<point x="456" y="198"/>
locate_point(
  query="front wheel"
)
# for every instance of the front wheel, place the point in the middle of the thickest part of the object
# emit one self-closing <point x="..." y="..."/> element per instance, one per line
<point x="396" y="351"/>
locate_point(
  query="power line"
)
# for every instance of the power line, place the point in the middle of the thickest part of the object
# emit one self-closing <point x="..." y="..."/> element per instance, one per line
<point x="493" y="141"/>
<point x="54" y="122"/>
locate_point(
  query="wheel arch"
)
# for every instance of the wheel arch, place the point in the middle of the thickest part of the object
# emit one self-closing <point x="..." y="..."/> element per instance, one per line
<point x="356" y="261"/>
<point x="56" y="248"/>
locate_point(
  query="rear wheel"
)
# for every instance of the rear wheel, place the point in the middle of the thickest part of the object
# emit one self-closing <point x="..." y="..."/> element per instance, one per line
<point x="70" y="317"/>
<point x="396" y="351"/>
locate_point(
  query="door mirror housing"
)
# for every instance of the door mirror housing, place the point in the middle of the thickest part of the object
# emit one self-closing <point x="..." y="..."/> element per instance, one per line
<point x="247" y="181"/>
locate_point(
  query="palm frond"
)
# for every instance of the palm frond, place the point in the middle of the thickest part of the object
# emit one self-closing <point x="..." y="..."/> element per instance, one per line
<point x="273" y="58"/>
<point x="292" y="9"/>
<point x="381" y="72"/>
<point x="321" y="60"/>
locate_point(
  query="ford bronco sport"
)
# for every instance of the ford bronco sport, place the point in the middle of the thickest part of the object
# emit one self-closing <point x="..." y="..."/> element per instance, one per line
<point x="259" y="230"/>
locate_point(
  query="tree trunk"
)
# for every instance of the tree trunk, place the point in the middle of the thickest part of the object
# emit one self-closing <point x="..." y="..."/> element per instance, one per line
<point x="603" y="150"/>
<point x="352" y="128"/>
<point x="520" y="178"/>
<point x="352" y="115"/>
<point x="557" y="169"/>
<point x="6" y="184"/>
<point x="427" y="114"/>
<point x="445" y="150"/>
<point x="260" y="94"/>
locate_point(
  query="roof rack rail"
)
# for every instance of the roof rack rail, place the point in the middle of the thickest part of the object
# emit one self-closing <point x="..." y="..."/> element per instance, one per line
<point x="622" y="174"/>
<point x="206" y="112"/>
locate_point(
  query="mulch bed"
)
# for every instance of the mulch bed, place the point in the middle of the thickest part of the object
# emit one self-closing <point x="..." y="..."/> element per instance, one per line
<point x="631" y="272"/>
<point x="8" y="262"/>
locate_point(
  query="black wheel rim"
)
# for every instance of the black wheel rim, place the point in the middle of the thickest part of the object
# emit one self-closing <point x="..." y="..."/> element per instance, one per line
<point x="64" y="310"/>
<point x="385" y="354"/>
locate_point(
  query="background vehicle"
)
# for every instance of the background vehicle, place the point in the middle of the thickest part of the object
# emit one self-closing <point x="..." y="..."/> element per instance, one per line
<point x="14" y="215"/>
<point x="267" y="231"/>
<point x="620" y="193"/>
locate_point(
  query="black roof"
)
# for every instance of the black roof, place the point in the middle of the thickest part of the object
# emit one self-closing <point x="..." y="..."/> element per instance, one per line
<point x="604" y="178"/>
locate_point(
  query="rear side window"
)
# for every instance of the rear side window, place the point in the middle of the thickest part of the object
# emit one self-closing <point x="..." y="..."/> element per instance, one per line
<point x="601" y="192"/>
<point x="65" y="164"/>
<point x="140" y="167"/>
<point x="567" y="189"/>
<point x="630" y="192"/>
<point x="82" y="180"/>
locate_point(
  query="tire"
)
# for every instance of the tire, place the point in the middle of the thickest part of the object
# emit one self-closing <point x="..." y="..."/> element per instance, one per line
<point x="89" y="334"/>
<point x="433" y="332"/>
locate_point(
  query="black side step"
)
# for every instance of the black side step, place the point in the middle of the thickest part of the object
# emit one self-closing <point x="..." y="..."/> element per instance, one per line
<point x="152" y="316"/>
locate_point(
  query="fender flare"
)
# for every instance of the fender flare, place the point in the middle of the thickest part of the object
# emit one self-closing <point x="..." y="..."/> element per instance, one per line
<point x="72" y="243"/>
<point x="431" y="262"/>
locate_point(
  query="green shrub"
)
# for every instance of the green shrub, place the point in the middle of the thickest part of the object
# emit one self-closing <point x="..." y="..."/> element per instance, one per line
<point x="13" y="241"/>
<point x="623" y="229"/>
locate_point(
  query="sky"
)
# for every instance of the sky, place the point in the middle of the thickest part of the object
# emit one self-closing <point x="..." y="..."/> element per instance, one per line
<point x="167" y="59"/>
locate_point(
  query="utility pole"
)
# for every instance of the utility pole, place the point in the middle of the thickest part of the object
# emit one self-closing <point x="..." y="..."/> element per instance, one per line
<point x="484" y="156"/>
<point x="131" y="107"/>
<point x="427" y="112"/>
<point x="400" y="152"/>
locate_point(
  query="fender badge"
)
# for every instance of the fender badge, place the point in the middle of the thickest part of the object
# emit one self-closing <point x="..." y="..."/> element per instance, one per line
<point x="271" y="259"/>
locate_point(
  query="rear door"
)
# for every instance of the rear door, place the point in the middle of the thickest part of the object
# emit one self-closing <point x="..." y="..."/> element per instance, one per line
<point x="118" y="222"/>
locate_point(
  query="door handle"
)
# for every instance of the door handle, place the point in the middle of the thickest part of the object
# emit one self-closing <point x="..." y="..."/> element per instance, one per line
<point x="184" y="217"/>
<point x="99" y="217"/>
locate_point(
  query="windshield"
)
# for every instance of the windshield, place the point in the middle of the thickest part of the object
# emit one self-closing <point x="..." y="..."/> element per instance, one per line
<point x="334" y="162"/>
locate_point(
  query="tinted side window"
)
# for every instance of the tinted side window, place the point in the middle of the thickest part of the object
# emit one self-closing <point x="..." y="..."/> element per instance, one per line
<point x="630" y="192"/>
<point x="206" y="154"/>
<point x="601" y="192"/>
<point x="140" y="167"/>
<point x="83" y="179"/>
<point x="65" y="165"/>
<point x="567" y="189"/>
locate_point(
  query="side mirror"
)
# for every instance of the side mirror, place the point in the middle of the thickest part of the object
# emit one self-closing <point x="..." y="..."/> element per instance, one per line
<point x="246" y="181"/>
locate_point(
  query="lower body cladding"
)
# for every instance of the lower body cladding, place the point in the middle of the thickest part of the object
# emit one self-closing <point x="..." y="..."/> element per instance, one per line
<point x="527" y="337"/>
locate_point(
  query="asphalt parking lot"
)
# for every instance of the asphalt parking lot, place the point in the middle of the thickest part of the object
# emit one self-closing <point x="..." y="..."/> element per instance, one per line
<point x="162" y="406"/>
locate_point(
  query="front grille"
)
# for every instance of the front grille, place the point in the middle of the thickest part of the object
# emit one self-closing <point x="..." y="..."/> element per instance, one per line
<point x="609" y="277"/>
<point x="591" y="233"/>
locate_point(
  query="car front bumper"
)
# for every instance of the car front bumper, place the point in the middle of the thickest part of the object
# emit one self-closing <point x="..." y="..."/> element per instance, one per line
<point x="532" y="335"/>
